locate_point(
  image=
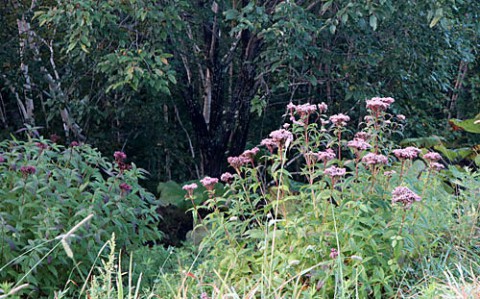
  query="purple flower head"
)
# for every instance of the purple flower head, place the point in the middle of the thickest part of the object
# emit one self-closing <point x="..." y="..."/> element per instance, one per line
<point x="387" y="100"/>
<point x="358" y="144"/>
<point x="74" y="144"/>
<point x="119" y="156"/>
<point x="333" y="253"/>
<point x="374" y="159"/>
<point x="237" y="162"/>
<point x="125" y="188"/>
<point x="326" y="155"/>
<point x="334" y="171"/>
<point x="208" y="182"/>
<point x="436" y="166"/>
<point x="404" y="196"/>
<point x="27" y="170"/>
<point x="42" y="146"/>
<point x="379" y="104"/>
<point x="2" y="159"/>
<point x="322" y="107"/>
<point x="389" y="173"/>
<point x="250" y="154"/>
<point x="302" y="110"/>
<point x="401" y="117"/>
<point x="432" y="157"/>
<point x="407" y="153"/>
<point x="189" y="188"/>
<point x="269" y="143"/>
<point x="340" y="120"/>
<point x="226" y="177"/>
<point x="305" y="109"/>
<point x="281" y="136"/>
<point x="204" y="295"/>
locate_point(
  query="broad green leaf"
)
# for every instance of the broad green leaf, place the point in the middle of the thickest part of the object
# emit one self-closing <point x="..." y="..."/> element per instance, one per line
<point x="469" y="125"/>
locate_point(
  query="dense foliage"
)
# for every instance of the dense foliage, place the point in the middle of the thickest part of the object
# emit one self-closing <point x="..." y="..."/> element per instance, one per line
<point x="321" y="212"/>
<point x="183" y="83"/>
<point x="360" y="203"/>
<point x="45" y="191"/>
<point x="360" y="226"/>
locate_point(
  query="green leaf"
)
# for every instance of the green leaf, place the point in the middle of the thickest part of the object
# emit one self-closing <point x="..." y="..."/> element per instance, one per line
<point x="373" y="22"/>
<point x="438" y="15"/>
<point x="332" y="29"/>
<point x="469" y="125"/>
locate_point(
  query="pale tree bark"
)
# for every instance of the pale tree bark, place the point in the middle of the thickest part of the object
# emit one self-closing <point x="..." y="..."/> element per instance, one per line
<point x="29" y="39"/>
<point x="25" y="40"/>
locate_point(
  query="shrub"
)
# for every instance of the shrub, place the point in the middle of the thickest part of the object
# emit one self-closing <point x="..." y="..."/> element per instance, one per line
<point x="317" y="216"/>
<point x="46" y="189"/>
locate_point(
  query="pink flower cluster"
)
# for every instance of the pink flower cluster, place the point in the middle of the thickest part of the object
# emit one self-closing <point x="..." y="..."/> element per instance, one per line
<point x="432" y="157"/>
<point x="304" y="109"/>
<point x="120" y="159"/>
<point x="307" y="109"/>
<point x="358" y="144"/>
<point x="42" y="146"/>
<point x="340" y="120"/>
<point x="190" y="188"/>
<point x="277" y="139"/>
<point x="379" y="104"/>
<point x="250" y="154"/>
<point x="407" y="153"/>
<point x="237" y="162"/>
<point x="245" y="158"/>
<point x="333" y="253"/>
<point x="209" y="183"/>
<point x="119" y="156"/>
<point x="374" y="159"/>
<point x="404" y="196"/>
<point x="27" y="170"/>
<point x="322" y="107"/>
<point x="125" y="188"/>
<point x="334" y="171"/>
<point x="281" y="136"/>
<point x="436" y="166"/>
<point x="226" y="177"/>
<point x="389" y="173"/>
<point x="269" y="143"/>
<point x="325" y="156"/>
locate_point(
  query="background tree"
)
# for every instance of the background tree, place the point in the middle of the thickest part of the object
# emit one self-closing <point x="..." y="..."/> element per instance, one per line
<point x="178" y="82"/>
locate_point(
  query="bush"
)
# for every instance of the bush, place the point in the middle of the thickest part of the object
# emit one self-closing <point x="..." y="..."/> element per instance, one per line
<point x="318" y="216"/>
<point x="47" y="189"/>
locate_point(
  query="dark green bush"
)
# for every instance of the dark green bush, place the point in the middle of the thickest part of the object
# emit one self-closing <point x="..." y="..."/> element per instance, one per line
<point x="46" y="189"/>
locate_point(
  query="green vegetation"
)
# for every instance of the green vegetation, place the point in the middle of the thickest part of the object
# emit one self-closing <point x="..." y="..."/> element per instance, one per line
<point x="295" y="220"/>
<point x="345" y="198"/>
<point x="46" y="191"/>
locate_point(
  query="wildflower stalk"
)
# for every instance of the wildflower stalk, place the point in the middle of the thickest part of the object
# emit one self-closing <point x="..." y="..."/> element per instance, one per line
<point x="282" y="155"/>
<point x="339" y="135"/>
<point x="403" y="221"/>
